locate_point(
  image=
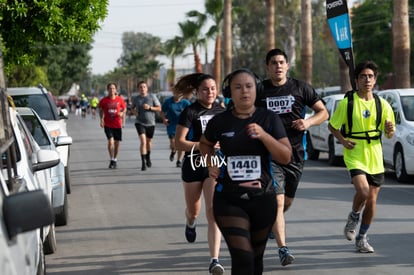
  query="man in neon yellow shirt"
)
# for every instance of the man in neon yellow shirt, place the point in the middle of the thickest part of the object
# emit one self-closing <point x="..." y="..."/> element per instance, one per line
<point x="363" y="156"/>
<point x="94" y="105"/>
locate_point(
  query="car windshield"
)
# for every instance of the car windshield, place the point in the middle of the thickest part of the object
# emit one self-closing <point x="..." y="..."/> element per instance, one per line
<point x="407" y="103"/>
<point x="36" y="130"/>
<point x="39" y="103"/>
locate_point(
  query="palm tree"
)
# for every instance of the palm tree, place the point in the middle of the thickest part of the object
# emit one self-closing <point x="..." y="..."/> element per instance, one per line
<point x="306" y="55"/>
<point x="214" y="10"/>
<point x="227" y="37"/>
<point x="173" y="47"/>
<point x="401" y="44"/>
<point x="270" y="24"/>
<point x="191" y="34"/>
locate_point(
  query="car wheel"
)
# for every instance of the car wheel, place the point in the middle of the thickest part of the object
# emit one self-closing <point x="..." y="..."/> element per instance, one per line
<point x="332" y="159"/>
<point x="41" y="266"/>
<point x="399" y="165"/>
<point x="62" y="217"/>
<point x="49" y="245"/>
<point x="312" y="153"/>
<point x="67" y="179"/>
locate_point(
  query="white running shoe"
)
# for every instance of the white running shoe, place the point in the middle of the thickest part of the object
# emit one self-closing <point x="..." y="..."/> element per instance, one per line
<point x="350" y="228"/>
<point x="363" y="246"/>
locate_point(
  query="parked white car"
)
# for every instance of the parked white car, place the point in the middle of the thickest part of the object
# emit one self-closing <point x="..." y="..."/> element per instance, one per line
<point x="399" y="150"/>
<point x="325" y="91"/>
<point x="320" y="139"/>
<point x="57" y="173"/>
<point x="43" y="103"/>
<point x="24" y="207"/>
<point x="33" y="172"/>
<point x="21" y="216"/>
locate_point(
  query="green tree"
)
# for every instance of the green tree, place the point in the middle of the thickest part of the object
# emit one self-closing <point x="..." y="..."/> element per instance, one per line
<point x="248" y="35"/>
<point x="306" y="35"/>
<point x="138" y="59"/>
<point x="270" y="24"/>
<point x="25" y="24"/>
<point x="173" y="48"/>
<point x="401" y="44"/>
<point x="227" y="37"/>
<point x="371" y="33"/>
<point x="30" y="75"/>
<point x="215" y="11"/>
<point x="191" y="34"/>
<point x="325" y="53"/>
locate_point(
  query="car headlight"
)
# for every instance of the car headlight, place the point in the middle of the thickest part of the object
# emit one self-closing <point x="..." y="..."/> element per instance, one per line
<point x="410" y="138"/>
<point x="54" y="133"/>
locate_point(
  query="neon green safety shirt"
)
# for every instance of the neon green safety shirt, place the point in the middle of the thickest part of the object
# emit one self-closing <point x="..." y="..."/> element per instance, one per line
<point x="364" y="156"/>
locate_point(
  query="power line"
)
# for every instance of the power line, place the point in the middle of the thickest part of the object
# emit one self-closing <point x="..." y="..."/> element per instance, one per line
<point x="155" y="5"/>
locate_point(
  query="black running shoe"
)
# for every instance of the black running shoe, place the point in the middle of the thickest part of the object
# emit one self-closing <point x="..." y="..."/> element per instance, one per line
<point x="112" y="164"/>
<point x="172" y="156"/>
<point x="190" y="234"/>
<point x="178" y="163"/>
<point x="148" y="161"/>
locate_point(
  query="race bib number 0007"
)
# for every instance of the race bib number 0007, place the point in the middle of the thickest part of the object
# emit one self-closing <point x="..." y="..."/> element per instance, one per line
<point x="280" y="104"/>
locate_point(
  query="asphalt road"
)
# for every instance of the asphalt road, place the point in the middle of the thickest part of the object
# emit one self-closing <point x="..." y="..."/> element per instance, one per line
<point x="128" y="221"/>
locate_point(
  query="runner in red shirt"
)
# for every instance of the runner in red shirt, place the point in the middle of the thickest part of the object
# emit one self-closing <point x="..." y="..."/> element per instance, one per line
<point x="111" y="111"/>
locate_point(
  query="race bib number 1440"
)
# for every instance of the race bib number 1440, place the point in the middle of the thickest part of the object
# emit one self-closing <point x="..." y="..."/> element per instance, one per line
<point x="244" y="167"/>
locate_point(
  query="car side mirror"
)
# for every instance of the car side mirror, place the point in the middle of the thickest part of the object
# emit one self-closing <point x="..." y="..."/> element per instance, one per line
<point x="26" y="211"/>
<point x="63" y="113"/>
<point x="63" y="141"/>
<point x="46" y="159"/>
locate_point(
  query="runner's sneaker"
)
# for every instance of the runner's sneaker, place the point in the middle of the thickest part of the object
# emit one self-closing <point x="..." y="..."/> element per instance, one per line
<point x="350" y="228"/>
<point x="271" y="235"/>
<point x="215" y="268"/>
<point x="148" y="161"/>
<point x="172" y="156"/>
<point x="190" y="234"/>
<point x="178" y="163"/>
<point x="112" y="164"/>
<point x="363" y="246"/>
<point x="285" y="256"/>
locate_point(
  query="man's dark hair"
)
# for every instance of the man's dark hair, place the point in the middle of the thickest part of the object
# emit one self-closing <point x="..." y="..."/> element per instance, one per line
<point x="366" y="65"/>
<point x="274" y="52"/>
<point x="142" y="82"/>
<point x="111" y="83"/>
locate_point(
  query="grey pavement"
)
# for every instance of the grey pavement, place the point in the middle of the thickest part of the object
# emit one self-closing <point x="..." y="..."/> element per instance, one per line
<point x="128" y="221"/>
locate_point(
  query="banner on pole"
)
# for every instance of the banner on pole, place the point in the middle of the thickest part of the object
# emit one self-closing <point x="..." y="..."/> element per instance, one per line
<point x="339" y="24"/>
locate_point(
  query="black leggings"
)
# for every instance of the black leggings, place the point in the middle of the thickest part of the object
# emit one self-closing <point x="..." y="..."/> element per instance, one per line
<point x="245" y="225"/>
